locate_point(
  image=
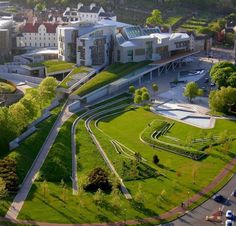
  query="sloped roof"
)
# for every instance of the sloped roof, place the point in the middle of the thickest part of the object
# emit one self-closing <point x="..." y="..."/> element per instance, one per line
<point x="33" y="28"/>
<point x="86" y="9"/>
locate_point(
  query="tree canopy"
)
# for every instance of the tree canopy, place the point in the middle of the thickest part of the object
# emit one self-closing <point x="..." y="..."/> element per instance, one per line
<point x="192" y="90"/>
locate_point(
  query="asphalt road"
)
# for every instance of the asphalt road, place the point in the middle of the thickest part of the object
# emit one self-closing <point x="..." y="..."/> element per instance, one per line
<point x="198" y="215"/>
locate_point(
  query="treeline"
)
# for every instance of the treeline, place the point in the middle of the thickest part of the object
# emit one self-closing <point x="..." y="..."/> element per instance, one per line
<point x="15" y="119"/>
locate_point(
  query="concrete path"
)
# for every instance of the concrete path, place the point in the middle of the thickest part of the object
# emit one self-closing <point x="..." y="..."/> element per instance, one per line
<point x="37" y="164"/>
<point x="124" y="190"/>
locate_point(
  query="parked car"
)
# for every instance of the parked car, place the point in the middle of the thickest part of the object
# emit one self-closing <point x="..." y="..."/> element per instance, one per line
<point x="229" y="214"/>
<point x="228" y="223"/>
<point x="234" y="192"/>
<point x="213" y="84"/>
<point x="219" y="198"/>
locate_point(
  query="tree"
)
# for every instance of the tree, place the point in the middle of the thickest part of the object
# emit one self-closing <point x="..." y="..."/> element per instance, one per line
<point x="45" y="189"/>
<point x="192" y="91"/>
<point x="222" y="100"/>
<point x="132" y="89"/>
<point x="155" y="19"/>
<point x="98" y="179"/>
<point x="3" y="189"/>
<point x="155" y="160"/>
<point x="145" y="96"/>
<point x="139" y="195"/>
<point x="155" y="88"/>
<point x="138" y="99"/>
<point x="98" y="197"/>
<point x="138" y="157"/>
<point x="115" y="199"/>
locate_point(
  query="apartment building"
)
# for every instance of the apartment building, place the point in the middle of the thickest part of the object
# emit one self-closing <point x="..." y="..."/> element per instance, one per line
<point x="38" y="35"/>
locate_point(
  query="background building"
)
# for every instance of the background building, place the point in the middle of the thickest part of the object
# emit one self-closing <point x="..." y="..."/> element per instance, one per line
<point x="38" y="35"/>
<point x="91" y="13"/>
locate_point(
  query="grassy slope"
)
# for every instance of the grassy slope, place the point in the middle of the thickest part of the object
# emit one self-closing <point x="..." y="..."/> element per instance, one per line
<point x="68" y="78"/>
<point x="109" y="75"/>
<point x="126" y="129"/>
<point x="28" y="150"/>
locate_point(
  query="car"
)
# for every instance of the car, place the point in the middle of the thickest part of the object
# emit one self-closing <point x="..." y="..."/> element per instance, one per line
<point x="228" y="223"/>
<point x="234" y="192"/>
<point x="229" y="214"/>
<point x="212" y="84"/>
<point x="219" y="198"/>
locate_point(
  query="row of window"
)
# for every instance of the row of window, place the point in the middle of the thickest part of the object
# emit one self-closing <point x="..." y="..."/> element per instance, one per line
<point x="37" y="45"/>
<point x="25" y="38"/>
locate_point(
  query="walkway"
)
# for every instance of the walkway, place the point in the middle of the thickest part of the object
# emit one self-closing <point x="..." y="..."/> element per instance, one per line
<point x="172" y="213"/>
<point x="37" y="164"/>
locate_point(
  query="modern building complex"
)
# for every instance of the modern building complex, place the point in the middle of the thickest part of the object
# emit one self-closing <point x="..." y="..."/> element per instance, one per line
<point x="91" y="13"/>
<point x="38" y="35"/>
<point x="108" y="41"/>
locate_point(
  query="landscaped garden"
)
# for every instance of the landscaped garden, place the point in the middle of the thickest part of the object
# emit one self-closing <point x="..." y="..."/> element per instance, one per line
<point x="152" y="195"/>
<point x="77" y="72"/>
<point x="112" y="73"/>
<point x="53" y="65"/>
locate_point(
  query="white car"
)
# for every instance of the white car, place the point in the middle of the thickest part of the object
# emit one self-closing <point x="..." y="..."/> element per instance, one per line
<point x="229" y="214"/>
<point x="228" y="223"/>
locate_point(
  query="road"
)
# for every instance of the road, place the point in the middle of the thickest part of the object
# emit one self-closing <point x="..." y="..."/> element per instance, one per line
<point x="198" y="215"/>
<point x="37" y="164"/>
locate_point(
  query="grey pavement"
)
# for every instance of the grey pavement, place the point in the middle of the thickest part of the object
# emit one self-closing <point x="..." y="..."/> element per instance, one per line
<point x="198" y="215"/>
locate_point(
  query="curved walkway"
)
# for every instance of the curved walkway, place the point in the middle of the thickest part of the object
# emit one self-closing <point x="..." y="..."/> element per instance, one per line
<point x="73" y="140"/>
<point x="165" y="216"/>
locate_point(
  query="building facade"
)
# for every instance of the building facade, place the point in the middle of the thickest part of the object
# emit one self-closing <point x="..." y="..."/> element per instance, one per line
<point x="38" y="35"/>
<point x="107" y="41"/>
<point x="91" y="13"/>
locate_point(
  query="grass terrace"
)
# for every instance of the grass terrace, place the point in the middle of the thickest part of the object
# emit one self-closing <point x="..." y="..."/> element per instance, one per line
<point x="111" y="74"/>
<point x="53" y="65"/>
<point x="80" y="71"/>
<point x="177" y="175"/>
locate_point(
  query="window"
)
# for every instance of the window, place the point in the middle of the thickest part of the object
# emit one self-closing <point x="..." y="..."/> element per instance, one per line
<point x="130" y="54"/>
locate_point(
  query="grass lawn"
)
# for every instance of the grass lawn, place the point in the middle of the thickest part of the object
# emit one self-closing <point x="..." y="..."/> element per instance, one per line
<point x="69" y="77"/>
<point x="176" y="182"/>
<point x="54" y="65"/>
<point x="112" y="73"/>
<point x="6" y="87"/>
<point x="27" y="151"/>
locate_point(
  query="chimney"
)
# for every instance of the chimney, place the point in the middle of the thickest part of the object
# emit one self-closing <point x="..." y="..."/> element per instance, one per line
<point x="92" y="5"/>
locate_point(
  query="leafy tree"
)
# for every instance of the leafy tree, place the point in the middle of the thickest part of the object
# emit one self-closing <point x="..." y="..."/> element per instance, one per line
<point x="223" y="100"/>
<point x="155" y="88"/>
<point x="3" y="189"/>
<point x="98" y="179"/>
<point x="155" y="160"/>
<point x="192" y="91"/>
<point x="155" y="19"/>
<point x="138" y="99"/>
<point x="139" y="194"/>
<point x="132" y="89"/>
<point x="115" y="199"/>
<point x="231" y="81"/>
<point x="145" y="96"/>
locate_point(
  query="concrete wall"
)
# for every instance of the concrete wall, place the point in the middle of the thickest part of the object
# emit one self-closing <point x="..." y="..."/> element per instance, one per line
<point x="20" y="78"/>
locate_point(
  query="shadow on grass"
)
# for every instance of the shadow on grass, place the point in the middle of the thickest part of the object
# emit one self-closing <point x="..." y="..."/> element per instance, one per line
<point x="166" y="168"/>
<point x="141" y="208"/>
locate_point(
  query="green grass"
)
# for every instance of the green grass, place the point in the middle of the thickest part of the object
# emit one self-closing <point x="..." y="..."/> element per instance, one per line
<point x="109" y="75"/>
<point x="6" y="87"/>
<point x="27" y="151"/>
<point x="75" y="71"/>
<point x="53" y="65"/>
<point x="176" y="181"/>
